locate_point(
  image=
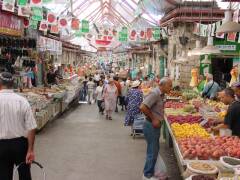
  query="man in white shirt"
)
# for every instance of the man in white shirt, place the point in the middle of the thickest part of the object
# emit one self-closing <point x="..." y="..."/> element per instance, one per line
<point x="90" y="86"/>
<point x="17" y="131"/>
<point x="97" y="78"/>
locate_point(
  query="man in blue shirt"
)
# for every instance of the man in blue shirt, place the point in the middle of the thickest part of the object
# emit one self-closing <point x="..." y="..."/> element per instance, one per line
<point x="211" y="89"/>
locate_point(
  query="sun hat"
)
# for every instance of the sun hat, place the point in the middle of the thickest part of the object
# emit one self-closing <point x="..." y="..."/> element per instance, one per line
<point x="136" y="83"/>
<point x="6" y="76"/>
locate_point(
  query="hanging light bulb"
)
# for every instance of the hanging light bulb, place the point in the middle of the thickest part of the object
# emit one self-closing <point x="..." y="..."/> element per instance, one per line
<point x="197" y="50"/>
<point x="206" y="60"/>
<point x="228" y="25"/>
<point x="210" y="48"/>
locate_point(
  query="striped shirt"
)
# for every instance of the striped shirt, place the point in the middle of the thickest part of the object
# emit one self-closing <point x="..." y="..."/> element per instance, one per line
<point x="16" y="116"/>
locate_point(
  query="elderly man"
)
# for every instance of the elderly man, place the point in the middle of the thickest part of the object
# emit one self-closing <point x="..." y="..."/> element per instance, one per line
<point x="232" y="117"/>
<point x="153" y="108"/>
<point x="17" y="131"/>
<point x="211" y="89"/>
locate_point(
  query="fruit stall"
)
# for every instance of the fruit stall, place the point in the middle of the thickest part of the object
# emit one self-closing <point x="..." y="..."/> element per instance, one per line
<point x="187" y="123"/>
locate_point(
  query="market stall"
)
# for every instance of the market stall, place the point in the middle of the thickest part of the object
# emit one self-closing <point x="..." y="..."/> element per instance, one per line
<point x="187" y="124"/>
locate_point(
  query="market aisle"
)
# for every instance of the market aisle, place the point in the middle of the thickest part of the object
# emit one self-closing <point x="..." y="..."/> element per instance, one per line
<point x="82" y="145"/>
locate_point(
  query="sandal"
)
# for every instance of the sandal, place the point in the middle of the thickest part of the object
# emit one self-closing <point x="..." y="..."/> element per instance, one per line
<point x="110" y="118"/>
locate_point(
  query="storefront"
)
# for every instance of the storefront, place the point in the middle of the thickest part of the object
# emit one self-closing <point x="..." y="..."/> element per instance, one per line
<point x="222" y="64"/>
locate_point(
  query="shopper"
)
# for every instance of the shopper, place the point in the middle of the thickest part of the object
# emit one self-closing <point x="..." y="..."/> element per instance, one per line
<point x="90" y="86"/>
<point x="134" y="100"/>
<point x="17" y="131"/>
<point x="153" y="108"/>
<point x="124" y="91"/>
<point x="85" y="88"/>
<point x="211" y="89"/>
<point x="236" y="88"/>
<point x="118" y="85"/>
<point x="97" y="78"/>
<point x="232" y="117"/>
<point x="99" y="95"/>
<point x="110" y="98"/>
<point x="51" y="77"/>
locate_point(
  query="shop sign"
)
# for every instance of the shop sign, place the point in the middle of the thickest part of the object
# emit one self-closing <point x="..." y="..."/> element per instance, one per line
<point x="47" y="44"/>
<point x="11" y="24"/>
<point x="33" y="24"/>
<point x="227" y="47"/>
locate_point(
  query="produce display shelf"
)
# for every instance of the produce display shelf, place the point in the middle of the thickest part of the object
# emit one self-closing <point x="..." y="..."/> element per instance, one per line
<point x="182" y="163"/>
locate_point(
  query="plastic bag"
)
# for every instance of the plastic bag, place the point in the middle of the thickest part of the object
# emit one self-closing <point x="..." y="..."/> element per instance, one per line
<point x="160" y="169"/>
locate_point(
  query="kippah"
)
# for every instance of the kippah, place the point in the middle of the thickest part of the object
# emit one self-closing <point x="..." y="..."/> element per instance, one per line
<point x="6" y="76"/>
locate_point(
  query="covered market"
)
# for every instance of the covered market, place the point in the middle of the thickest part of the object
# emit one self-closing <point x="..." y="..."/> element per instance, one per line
<point x="120" y="89"/>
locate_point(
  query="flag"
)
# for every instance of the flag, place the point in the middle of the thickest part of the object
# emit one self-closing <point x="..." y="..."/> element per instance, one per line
<point x="133" y="35"/>
<point x="232" y="36"/>
<point x="8" y="5"/>
<point x="37" y="13"/>
<point x="43" y="26"/>
<point x="36" y="3"/>
<point x="33" y="24"/>
<point x="75" y="24"/>
<point x="157" y="33"/>
<point x="149" y="34"/>
<point x="22" y="2"/>
<point x="51" y="18"/>
<point x="62" y="22"/>
<point x="142" y="35"/>
<point x="85" y="26"/>
<point x="24" y="11"/>
<point x="54" y="29"/>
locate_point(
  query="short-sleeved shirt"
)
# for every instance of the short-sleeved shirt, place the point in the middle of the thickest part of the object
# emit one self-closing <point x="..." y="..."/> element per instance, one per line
<point x="232" y="119"/>
<point x="155" y="102"/>
<point x="16" y="116"/>
<point x="90" y="85"/>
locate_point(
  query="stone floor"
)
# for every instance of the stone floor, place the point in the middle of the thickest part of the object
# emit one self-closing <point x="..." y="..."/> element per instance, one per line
<point x="82" y="145"/>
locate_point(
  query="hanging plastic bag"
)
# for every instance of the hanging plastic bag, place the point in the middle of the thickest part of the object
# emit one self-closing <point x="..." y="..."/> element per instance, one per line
<point x="160" y="169"/>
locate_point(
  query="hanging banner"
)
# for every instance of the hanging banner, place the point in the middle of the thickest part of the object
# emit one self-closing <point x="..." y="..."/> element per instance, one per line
<point x="203" y="30"/>
<point x="219" y="35"/>
<point x="33" y="24"/>
<point x="79" y="33"/>
<point x="213" y="29"/>
<point x="36" y="3"/>
<point x="11" y="24"/>
<point x="24" y="11"/>
<point x="196" y="29"/>
<point x="51" y="18"/>
<point x="62" y="22"/>
<point x="37" y="13"/>
<point x="133" y="35"/>
<point x="8" y="5"/>
<point x="149" y="34"/>
<point x="157" y="33"/>
<point x="232" y="36"/>
<point x="22" y="2"/>
<point x="85" y="26"/>
<point x="75" y="24"/>
<point x="43" y="26"/>
<point x="54" y="29"/>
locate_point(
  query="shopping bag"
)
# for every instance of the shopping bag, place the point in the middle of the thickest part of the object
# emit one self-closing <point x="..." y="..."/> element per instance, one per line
<point x="160" y="169"/>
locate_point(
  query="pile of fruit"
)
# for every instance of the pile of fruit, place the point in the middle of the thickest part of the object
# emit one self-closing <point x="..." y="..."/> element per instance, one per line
<point x="174" y="94"/>
<point x="189" y="94"/>
<point x="174" y="105"/>
<point x="209" y="148"/>
<point x="184" y="119"/>
<point x="189" y="130"/>
<point x="189" y="108"/>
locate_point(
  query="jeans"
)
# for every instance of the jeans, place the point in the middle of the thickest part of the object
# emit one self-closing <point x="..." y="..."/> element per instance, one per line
<point x="152" y="136"/>
<point x="100" y="107"/>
